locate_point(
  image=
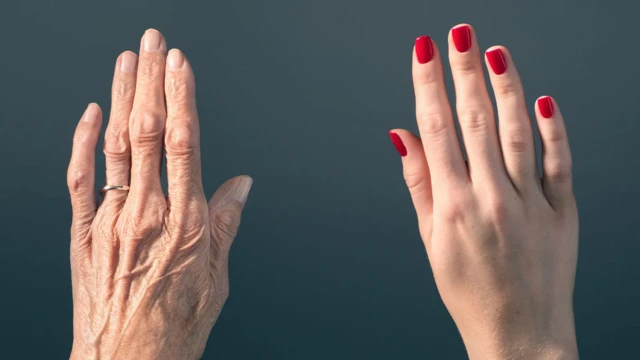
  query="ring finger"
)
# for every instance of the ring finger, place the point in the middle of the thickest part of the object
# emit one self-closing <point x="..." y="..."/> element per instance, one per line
<point x="117" y="148"/>
<point x="475" y="111"/>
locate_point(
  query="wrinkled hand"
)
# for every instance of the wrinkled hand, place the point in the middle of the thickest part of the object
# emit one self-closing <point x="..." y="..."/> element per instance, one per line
<point x="502" y="242"/>
<point x="149" y="272"/>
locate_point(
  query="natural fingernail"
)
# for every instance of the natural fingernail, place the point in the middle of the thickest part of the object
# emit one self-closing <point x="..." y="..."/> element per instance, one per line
<point x="241" y="191"/>
<point x="397" y="142"/>
<point x="461" y="38"/>
<point x="424" y="49"/>
<point x="175" y="59"/>
<point x="497" y="61"/>
<point x="152" y="40"/>
<point x="545" y="105"/>
<point x="91" y="113"/>
<point x="128" y="62"/>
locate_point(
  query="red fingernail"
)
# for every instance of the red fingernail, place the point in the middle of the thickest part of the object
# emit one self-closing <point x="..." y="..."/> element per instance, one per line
<point x="545" y="105"/>
<point x="462" y="38"/>
<point x="397" y="142"/>
<point x="424" y="49"/>
<point x="497" y="61"/>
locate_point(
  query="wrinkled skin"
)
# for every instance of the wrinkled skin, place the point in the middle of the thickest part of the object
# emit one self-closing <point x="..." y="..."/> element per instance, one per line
<point x="501" y="240"/>
<point x="149" y="271"/>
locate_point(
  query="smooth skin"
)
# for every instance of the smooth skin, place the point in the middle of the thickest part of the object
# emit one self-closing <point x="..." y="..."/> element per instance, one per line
<point x="149" y="271"/>
<point x="502" y="241"/>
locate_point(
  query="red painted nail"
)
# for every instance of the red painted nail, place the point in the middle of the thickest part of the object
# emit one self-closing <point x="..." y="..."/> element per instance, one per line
<point x="545" y="105"/>
<point x="397" y="142"/>
<point x="462" y="38"/>
<point x="424" y="49"/>
<point x="497" y="61"/>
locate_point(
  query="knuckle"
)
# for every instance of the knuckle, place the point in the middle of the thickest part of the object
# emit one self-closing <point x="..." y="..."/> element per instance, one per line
<point x="226" y="223"/>
<point x="454" y="209"/>
<point x="116" y="144"/>
<point x="507" y="90"/>
<point x="559" y="170"/>
<point x="465" y="66"/>
<point x="150" y="69"/>
<point x="186" y="216"/>
<point x="178" y="88"/>
<point x="123" y="89"/>
<point x="82" y="138"/>
<point x="145" y="221"/>
<point x="415" y="182"/>
<point x="180" y="140"/>
<point x="517" y="142"/>
<point x="433" y="123"/>
<point x="475" y="118"/>
<point x="554" y="136"/>
<point x="498" y="209"/>
<point x="427" y="78"/>
<point x="143" y="227"/>
<point x="78" y="181"/>
<point x="147" y="126"/>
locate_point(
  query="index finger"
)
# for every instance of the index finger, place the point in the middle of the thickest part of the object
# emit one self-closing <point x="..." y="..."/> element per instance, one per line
<point x="182" y="135"/>
<point x="435" y="118"/>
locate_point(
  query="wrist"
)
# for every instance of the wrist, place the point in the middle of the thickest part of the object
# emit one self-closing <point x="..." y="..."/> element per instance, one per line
<point x="532" y="352"/>
<point x="522" y="349"/>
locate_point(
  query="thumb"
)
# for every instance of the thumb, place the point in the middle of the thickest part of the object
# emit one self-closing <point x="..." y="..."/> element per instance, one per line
<point x="225" y="208"/>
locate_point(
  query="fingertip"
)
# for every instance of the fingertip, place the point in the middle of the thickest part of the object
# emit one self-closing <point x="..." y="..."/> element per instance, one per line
<point x="424" y="49"/>
<point x="397" y="142"/>
<point x="546" y="106"/>
<point x="462" y="36"/>
<point x="497" y="59"/>
<point x="92" y="114"/>
<point x="175" y="60"/>
<point x="461" y="27"/>
<point x="127" y="62"/>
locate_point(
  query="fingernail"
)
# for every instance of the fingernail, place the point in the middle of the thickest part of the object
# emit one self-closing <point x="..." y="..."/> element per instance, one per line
<point x="175" y="59"/>
<point x="397" y="142"/>
<point x="545" y="105"/>
<point x="424" y="49"/>
<point x="91" y="113"/>
<point x="128" y="62"/>
<point x="241" y="191"/>
<point x="462" y="38"/>
<point x="497" y="61"/>
<point x="152" y="40"/>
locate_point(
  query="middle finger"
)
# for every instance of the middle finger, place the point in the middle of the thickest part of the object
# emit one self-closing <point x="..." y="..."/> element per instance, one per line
<point x="148" y="117"/>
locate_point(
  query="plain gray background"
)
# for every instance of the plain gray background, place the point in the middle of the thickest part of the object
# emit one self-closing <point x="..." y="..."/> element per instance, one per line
<point x="300" y="95"/>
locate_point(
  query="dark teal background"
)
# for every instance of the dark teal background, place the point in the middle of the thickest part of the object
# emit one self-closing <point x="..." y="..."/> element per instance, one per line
<point x="300" y="95"/>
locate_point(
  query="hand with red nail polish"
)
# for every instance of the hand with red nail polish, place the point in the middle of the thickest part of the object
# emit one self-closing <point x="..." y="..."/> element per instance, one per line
<point x="149" y="271"/>
<point x="501" y="238"/>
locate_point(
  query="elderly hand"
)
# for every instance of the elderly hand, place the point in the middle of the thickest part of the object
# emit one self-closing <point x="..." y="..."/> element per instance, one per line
<point x="149" y="272"/>
<point x="502" y="242"/>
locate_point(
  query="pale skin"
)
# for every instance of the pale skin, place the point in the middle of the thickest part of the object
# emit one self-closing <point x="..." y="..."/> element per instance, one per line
<point x="501" y="238"/>
<point x="149" y="270"/>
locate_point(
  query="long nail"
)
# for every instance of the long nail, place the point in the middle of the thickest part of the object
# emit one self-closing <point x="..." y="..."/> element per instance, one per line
<point x="461" y="38"/>
<point x="424" y="49"/>
<point x="497" y="61"/>
<point x="397" y="142"/>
